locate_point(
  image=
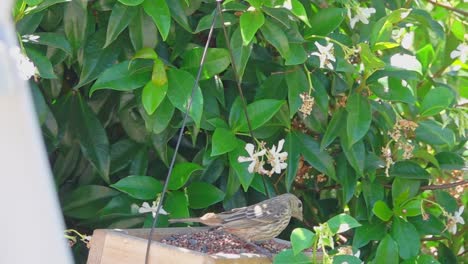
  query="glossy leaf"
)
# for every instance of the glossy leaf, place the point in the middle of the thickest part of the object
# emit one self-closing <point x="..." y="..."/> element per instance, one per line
<point x="297" y="84"/>
<point x="260" y="112"/>
<point x="224" y="141"/>
<point x="202" y="195"/>
<point x="180" y="91"/>
<point x="139" y="187"/>
<point x="240" y="52"/>
<point x="406" y="237"/>
<point x="159" y="12"/>
<point x="387" y="251"/>
<point x="328" y="19"/>
<point x="342" y="223"/>
<point x="276" y="37"/>
<point x="288" y="257"/>
<point x="301" y="239"/>
<point x="320" y="160"/>
<point x="216" y="61"/>
<point x="382" y="211"/>
<point x="292" y="146"/>
<point x="250" y="22"/>
<point x="359" y="117"/>
<point x="436" y="100"/>
<point x="122" y="77"/>
<point x="181" y="174"/>
<point x="433" y="133"/>
<point x="152" y="96"/>
<point x="86" y="200"/>
<point x="408" y="170"/>
<point x="120" y="16"/>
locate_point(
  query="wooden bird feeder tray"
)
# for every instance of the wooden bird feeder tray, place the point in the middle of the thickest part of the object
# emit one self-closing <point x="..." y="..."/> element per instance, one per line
<point x="128" y="246"/>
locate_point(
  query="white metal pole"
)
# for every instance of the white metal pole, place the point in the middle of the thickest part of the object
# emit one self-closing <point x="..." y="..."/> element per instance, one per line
<point x="31" y="222"/>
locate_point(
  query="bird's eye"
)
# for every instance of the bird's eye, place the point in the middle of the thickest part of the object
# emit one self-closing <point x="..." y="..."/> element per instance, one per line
<point x="300" y="205"/>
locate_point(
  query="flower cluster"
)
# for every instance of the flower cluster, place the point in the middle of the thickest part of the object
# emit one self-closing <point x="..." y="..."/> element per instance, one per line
<point x="452" y="220"/>
<point x="362" y="14"/>
<point x="146" y="208"/>
<point x="307" y="104"/>
<point x="325" y="54"/>
<point x="400" y="134"/>
<point x="274" y="157"/>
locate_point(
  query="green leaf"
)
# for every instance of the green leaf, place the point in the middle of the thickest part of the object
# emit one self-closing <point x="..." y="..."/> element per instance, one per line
<point x="224" y="141"/>
<point x="260" y="112"/>
<point x="84" y="201"/>
<point x="328" y="18"/>
<point x="436" y="100"/>
<point x="122" y="77"/>
<point x="158" y="10"/>
<point x="292" y="146"/>
<point x="180" y="91"/>
<point x="152" y="96"/>
<point x="404" y="189"/>
<point x="42" y="63"/>
<point x="368" y="232"/>
<point x="92" y="137"/>
<point x="177" y="9"/>
<point x="121" y="154"/>
<point x="241" y="168"/>
<point x="216" y="61"/>
<point x="177" y="204"/>
<point x="346" y="259"/>
<point x="288" y="257"/>
<point x="297" y="54"/>
<point x="202" y="194"/>
<point x="446" y="201"/>
<point x="142" y="31"/>
<point x="276" y="37"/>
<point x="433" y="133"/>
<point x="96" y="59"/>
<point x="299" y="11"/>
<point x="320" y="160"/>
<point x="51" y="39"/>
<point x="297" y="84"/>
<point x="342" y="223"/>
<point x="301" y="239"/>
<point x="450" y="161"/>
<point x="131" y="2"/>
<point x="241" y="53"/>
<point x="387" y="251"/>
<point x="382" y="211"/>
<point x="139" y="187"/>
<point x="159" y="120"/>
<point x="356" y="154"/>
<point x="120" y="16"/>
<point x="408" y="170"/>
<point x="250" y="21"/>
<point x="75" y="20"/>
<point x="406" y="237"/>
<point x="181" y="174"/>
<point x="359" y="117"/>
<point x="445" y="254"/>
<point x="33" y="2"/>
<point x="458" y="29"/>
<point x="334" y="128"/>
<point x="371" y="62"/>
<point x="346" y="178"/>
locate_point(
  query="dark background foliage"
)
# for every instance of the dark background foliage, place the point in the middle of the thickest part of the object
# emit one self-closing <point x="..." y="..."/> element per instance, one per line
<point x="114" y="78"/>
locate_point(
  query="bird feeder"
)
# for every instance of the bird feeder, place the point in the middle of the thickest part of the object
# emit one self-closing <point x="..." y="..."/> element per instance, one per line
<point x="122" y="246"/>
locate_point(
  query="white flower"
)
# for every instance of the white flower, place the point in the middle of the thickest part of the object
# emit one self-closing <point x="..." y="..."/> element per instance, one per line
<point x="25" y="67"/>
<point x="276" y="158"/>
<point x="454" y="219"/>
<point x="461" y="52"/>
<point x="362" y="14"/>
<point x="146" y="208"/>
<point x="256" y="165"/>
<point x="325" y="55"/>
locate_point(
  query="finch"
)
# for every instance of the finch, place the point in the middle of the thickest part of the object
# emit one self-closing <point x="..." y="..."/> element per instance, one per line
<point x="257" y="222"/>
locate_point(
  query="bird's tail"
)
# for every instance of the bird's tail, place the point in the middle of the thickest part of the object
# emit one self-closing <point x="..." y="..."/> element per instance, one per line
<point x="185" y="220"/>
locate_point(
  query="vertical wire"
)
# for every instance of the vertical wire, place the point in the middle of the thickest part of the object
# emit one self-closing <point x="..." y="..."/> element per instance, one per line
<point x="179" y="139"/>
<point x="238" y="83"/>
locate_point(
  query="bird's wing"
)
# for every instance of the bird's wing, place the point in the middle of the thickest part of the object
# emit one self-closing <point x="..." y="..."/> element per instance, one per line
<point x="254" y="215"/>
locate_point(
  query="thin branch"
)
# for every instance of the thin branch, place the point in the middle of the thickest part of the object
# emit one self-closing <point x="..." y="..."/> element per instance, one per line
<point x="451" y="8"/>
<point x="389" y="186"/>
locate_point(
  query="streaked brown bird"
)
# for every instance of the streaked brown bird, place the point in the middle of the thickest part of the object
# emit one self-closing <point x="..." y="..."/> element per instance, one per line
<point x="257" y="222"/>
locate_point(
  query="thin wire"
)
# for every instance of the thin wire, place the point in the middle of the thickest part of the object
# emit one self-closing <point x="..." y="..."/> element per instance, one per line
<point x="238" y="83"/>
<point x="179" y="139"/>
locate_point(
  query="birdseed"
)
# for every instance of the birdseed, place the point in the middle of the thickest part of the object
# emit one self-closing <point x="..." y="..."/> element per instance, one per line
<point x="217" y="241"/>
